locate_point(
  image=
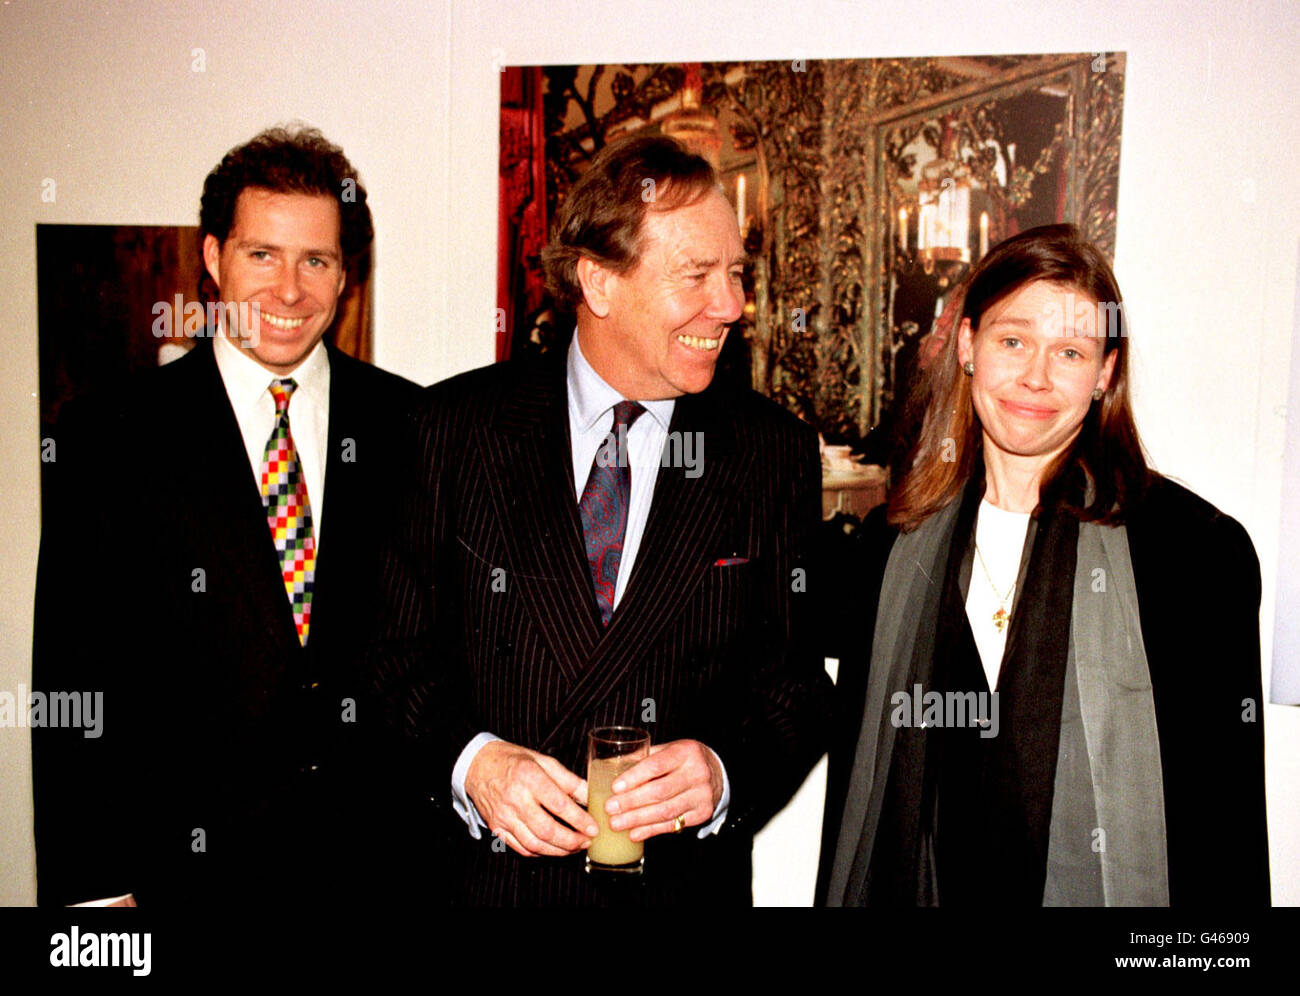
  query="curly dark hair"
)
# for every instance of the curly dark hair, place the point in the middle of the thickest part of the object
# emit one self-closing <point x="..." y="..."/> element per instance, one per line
<point x="289" y="160"/>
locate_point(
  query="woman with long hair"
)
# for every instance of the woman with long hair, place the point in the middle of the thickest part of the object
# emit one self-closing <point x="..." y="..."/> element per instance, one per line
<point x="1063" y="700"/>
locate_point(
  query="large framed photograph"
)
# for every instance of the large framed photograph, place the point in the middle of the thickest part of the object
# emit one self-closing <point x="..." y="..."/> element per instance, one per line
<point x="865" y="190"/>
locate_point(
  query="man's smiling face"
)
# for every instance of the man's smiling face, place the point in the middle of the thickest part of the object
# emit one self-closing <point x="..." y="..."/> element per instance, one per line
<point x="282" y="254"/>
<point x="668" y="316"/>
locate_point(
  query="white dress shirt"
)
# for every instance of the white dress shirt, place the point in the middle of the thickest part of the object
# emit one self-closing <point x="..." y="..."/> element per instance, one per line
<point x="248" y="388"/>
<point x="591" y="418"/>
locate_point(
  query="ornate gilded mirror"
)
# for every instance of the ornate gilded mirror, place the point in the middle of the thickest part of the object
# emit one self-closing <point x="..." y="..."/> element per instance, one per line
<point x="961" y="171"/>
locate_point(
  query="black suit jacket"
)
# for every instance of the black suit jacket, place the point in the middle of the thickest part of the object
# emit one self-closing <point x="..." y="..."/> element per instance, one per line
<point x="1198" y="590"/>
<point x="493" y="626"/>
<point x="228" y="764"/>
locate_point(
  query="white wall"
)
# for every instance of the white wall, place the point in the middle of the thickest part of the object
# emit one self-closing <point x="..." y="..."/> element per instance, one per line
<point x="102" y="99"/>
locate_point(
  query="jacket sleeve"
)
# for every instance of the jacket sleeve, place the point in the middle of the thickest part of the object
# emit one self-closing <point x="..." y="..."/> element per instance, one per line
<point x="854" y="566"/>
<point x="779" y="720"/>
<point x="1198" y="593"/>
<point x="83" y="775"/>
<point x="414" y="655"/>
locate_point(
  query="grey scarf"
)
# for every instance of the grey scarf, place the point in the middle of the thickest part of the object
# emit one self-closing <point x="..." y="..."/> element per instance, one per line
<point x="1107" y="835"/>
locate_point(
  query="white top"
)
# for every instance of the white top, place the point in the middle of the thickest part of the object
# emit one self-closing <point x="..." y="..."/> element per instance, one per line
<point x="999" y="543"/>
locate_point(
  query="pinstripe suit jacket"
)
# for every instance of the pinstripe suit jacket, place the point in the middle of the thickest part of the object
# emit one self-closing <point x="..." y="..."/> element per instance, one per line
<point x="492" y="624"/>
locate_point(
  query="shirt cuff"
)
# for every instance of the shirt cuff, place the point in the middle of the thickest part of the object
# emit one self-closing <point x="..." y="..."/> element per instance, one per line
<point x="104" y="902"/>
<point x="459" y="797"/>
<point x="720" y="813"/>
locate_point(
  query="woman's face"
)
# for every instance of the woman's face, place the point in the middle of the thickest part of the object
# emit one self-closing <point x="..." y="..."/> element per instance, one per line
<point x="1039" y="353"/>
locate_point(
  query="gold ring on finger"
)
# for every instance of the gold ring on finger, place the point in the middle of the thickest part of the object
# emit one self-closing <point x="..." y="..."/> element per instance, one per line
<point x="679" y="824"/>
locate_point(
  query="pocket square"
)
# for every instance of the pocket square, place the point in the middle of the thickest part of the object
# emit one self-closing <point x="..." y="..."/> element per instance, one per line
<point x="730" y="561"/>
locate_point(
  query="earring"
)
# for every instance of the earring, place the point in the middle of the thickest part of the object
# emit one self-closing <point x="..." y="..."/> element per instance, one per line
<point x="968" y="368"/>
<point x="1097" y="392"/>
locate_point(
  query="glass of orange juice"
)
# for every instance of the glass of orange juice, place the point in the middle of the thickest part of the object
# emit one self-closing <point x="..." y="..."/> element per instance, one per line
<point x="611" y="750"/>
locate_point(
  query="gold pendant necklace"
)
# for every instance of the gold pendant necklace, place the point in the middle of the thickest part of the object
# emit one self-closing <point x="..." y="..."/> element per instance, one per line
<point x="1001" y="617"/>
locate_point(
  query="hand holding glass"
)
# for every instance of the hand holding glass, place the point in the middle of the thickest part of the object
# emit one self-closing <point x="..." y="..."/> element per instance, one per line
<point x="612" y="750"/>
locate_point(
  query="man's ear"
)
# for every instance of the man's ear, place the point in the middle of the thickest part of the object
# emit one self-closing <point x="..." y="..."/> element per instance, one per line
<point x="594" y="280"/>
<point x="965" y="342"/>
<point x="212" y="258"/>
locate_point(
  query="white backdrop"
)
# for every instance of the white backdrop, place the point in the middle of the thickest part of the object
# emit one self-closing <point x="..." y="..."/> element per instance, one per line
<point x="1286" y="636"/>
<point x="104" y="100"/>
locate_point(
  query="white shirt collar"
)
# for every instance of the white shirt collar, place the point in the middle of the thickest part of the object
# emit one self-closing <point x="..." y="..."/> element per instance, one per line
<point x="247" y="380"/>
<point x="591" y="398"/>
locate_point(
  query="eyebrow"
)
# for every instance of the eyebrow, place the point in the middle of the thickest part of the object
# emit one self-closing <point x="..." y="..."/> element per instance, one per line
<point x="701" y="263"/>
<point x="1067" y="332"/>
<point x="1022" y="323"/>
<point x="254" y="244"/>
<point x="704" y="263"/>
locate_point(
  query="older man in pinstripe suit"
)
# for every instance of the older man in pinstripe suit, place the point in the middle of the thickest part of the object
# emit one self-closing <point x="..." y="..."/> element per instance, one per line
<point x="557" y="567"/>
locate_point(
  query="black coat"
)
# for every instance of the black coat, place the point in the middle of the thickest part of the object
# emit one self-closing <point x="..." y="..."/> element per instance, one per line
<point x="1198" y="589"/>
<point x="228" y="766"/>
<point x="494" y="626"/>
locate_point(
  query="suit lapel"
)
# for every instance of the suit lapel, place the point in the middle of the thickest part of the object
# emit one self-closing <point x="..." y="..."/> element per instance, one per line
<point x="344" y="491"/>
<point x="234" y="520"/>
<point x="686" y="523"/>
<point x="528" y="467"/>
<point x="528" y="460"/>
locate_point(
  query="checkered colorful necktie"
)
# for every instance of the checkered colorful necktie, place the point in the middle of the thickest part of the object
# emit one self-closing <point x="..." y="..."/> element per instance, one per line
<point x="288" y="513"/>
<point x="603" y="508"/>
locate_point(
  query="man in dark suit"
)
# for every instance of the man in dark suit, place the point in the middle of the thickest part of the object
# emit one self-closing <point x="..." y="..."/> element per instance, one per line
<point x="207" y="558"/>
<point x="610" y="540"/>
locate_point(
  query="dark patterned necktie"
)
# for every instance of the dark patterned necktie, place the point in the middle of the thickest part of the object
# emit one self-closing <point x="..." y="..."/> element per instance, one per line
<point x="288" y="513"/>
<point x="603" y="507"/>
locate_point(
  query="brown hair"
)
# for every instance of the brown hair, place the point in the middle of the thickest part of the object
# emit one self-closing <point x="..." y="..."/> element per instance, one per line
<point x="289" y="160"/>
<point x="602" y="215"/>
<point x="1105" y="461"/>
